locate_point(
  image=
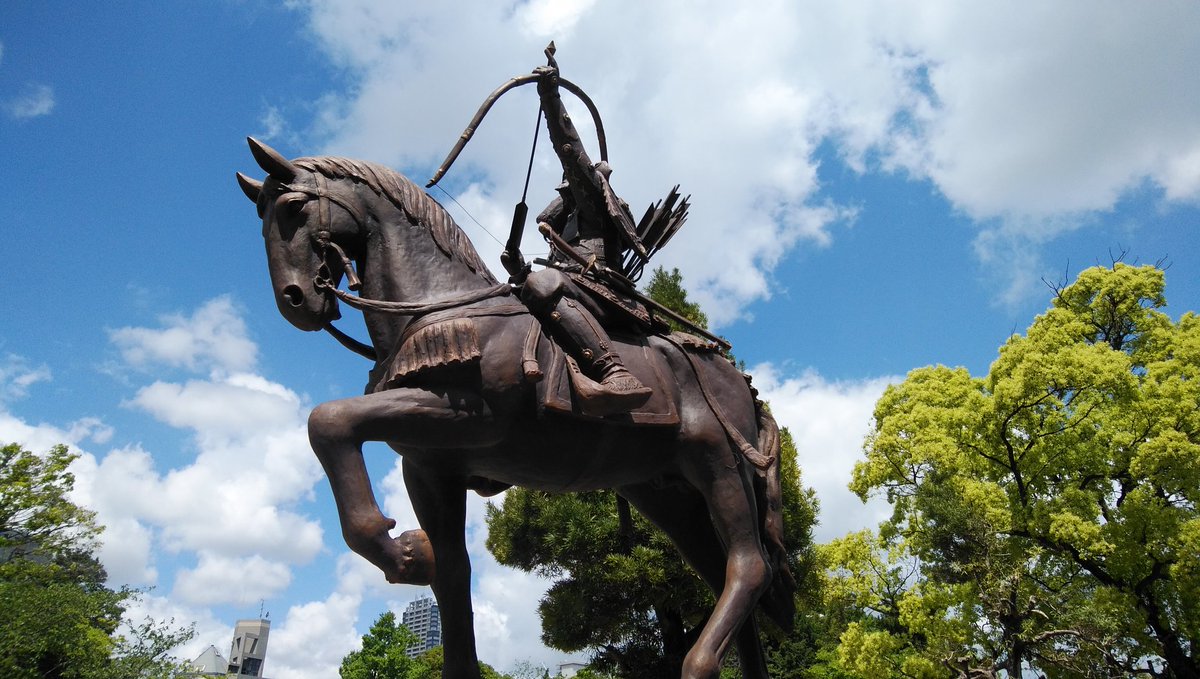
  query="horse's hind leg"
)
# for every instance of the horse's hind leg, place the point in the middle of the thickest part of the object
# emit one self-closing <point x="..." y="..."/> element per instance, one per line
<point x="680" y="513"/>
<point x="406" y="418"/>
<point x="747" y="571"/>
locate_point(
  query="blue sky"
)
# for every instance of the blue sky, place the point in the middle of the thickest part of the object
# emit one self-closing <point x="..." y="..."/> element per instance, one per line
<point x="875" y="187"/>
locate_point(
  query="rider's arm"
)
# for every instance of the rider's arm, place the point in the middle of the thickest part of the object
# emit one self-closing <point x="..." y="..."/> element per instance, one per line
<point x="588" y="184"/>
<point x="576" y="163"/>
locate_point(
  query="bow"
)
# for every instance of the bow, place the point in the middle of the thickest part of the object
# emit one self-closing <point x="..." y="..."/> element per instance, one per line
<point x="495" y="96"/>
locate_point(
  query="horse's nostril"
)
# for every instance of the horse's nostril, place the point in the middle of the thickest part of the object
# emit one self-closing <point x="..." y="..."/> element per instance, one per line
<point x="293" y="295"/>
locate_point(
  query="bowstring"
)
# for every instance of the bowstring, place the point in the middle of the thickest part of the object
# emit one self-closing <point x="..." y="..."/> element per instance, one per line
<point x="537" y="129"/>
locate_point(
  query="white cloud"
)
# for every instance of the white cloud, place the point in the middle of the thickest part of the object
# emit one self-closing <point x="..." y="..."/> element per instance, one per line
<point x="126" y="551"/>
<point x="551" y="17"/>
<point x="1051" y="109"/>
<point x="237" y="580"/>
<point x="828" y="421"/>
<point x="16" y="376"/>
<point x="273" y="122"/>
<point x="214" y="337"/>
<point x="40" y="437"/>
<point x="314" y="637"/>
<point x="508" y="628"/>
<point x="1019" y="114"/>
<point x="34" y="102"/>
<point x="221" y="407"/>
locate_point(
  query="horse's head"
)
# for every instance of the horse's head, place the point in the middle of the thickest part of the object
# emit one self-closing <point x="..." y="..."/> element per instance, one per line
<point x="305" y="216"/>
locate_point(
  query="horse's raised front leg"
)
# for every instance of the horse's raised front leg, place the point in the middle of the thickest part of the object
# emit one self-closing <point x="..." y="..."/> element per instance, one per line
<point x="413" y="418"/>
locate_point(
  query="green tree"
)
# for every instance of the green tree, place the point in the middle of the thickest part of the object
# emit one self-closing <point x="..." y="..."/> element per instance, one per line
<point x="527" y="669"/>
<point x="644" y="605"/>
<point x="384" y="655"/>
<point x="384" y="652"/>
<point x="667" y="289"/>
<point x="1044" y="516"/>
<point x="59" y="619"/>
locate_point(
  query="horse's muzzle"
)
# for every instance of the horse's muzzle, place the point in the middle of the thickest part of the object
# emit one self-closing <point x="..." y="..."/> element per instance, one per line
<point x="309" y="313"/>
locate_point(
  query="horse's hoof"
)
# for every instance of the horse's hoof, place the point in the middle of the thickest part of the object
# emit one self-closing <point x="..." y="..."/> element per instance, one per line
<point x="414" y="560"/>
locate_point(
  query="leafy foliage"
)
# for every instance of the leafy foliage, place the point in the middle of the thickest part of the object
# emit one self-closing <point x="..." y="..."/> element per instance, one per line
<point x="384" y="652"/>
<point x="1044" y="516"/>
<point x="37" y="521"/>
<point x="667" y="289"/>
<point x="384" y="655"/>
<point x="58" y="618"/>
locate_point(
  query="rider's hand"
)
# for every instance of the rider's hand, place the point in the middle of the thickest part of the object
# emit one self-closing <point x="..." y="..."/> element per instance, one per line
<point x="548" y="81"/>
<point x="513" y="262"/>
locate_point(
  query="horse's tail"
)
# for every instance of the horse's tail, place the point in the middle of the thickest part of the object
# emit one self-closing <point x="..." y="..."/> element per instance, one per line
<point x="778" y="602"/>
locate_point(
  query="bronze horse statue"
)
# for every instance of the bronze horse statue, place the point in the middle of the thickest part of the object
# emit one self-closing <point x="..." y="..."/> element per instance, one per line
<point x="473" y="421"/>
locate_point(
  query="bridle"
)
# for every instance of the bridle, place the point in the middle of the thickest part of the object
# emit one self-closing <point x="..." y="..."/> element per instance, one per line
<point x="323" y="280"/>
<point x="323" y="236"/>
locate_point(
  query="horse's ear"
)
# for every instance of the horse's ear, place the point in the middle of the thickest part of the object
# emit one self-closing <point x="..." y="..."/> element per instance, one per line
<point x="270" y="160"/>
<point x="250" y="187"/>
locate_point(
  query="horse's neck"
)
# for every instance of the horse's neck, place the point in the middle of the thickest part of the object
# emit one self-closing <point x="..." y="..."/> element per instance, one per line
<point x="402" y="263"/>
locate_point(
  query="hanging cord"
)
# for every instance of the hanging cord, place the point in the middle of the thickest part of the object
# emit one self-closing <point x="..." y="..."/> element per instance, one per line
<point x="468" y="213"/>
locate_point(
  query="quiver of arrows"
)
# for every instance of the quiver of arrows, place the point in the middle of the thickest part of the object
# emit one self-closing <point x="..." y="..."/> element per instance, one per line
<point x="656" y="228"/>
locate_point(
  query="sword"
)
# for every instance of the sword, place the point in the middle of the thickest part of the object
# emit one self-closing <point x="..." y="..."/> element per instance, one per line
<point x="625" y="285"/>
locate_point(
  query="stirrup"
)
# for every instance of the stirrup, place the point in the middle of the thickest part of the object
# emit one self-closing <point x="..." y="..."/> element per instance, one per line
<point x="624" y="382"/>
<point x="619" y="392"/>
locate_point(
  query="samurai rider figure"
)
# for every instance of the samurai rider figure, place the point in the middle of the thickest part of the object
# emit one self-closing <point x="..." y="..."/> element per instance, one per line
<point x="598" y="226"/>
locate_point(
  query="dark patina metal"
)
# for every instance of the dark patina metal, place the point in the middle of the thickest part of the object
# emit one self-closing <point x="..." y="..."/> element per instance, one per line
<point x="457" y="390"/>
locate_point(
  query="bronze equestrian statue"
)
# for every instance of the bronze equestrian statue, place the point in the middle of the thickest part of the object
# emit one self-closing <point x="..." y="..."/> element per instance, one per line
<point x="473" y="391"/>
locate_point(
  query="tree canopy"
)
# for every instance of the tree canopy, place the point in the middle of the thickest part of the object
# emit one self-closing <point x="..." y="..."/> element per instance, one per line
<point x="1045" y="515"/>
<point x="59" y="619"/>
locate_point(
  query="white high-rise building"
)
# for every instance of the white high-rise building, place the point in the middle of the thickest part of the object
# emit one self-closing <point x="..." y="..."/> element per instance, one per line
<point x="422" y="619"/>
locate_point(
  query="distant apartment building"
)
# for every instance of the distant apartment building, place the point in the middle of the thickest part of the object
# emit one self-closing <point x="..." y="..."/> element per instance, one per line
<point x="569" y="669"/>
<point x="422" y="619"/>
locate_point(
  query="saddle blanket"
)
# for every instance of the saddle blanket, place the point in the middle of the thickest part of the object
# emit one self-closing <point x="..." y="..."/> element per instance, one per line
<point x="556" y="391"/>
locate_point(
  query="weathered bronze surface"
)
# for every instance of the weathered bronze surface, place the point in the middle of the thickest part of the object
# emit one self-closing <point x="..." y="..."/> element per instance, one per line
<point x="456" y="390"/>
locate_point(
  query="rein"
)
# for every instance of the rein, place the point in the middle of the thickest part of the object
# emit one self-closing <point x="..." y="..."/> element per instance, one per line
<point x="412" y="308"/>
<point x="400" y="308"/>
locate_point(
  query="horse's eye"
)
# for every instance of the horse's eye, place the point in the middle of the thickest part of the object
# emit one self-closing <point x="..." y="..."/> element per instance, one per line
<point x="290" y="204"/>
<point x="293" y="207"/>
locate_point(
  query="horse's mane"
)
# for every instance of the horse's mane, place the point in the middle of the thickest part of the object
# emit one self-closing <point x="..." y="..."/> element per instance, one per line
<point x="416" y="205"/>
